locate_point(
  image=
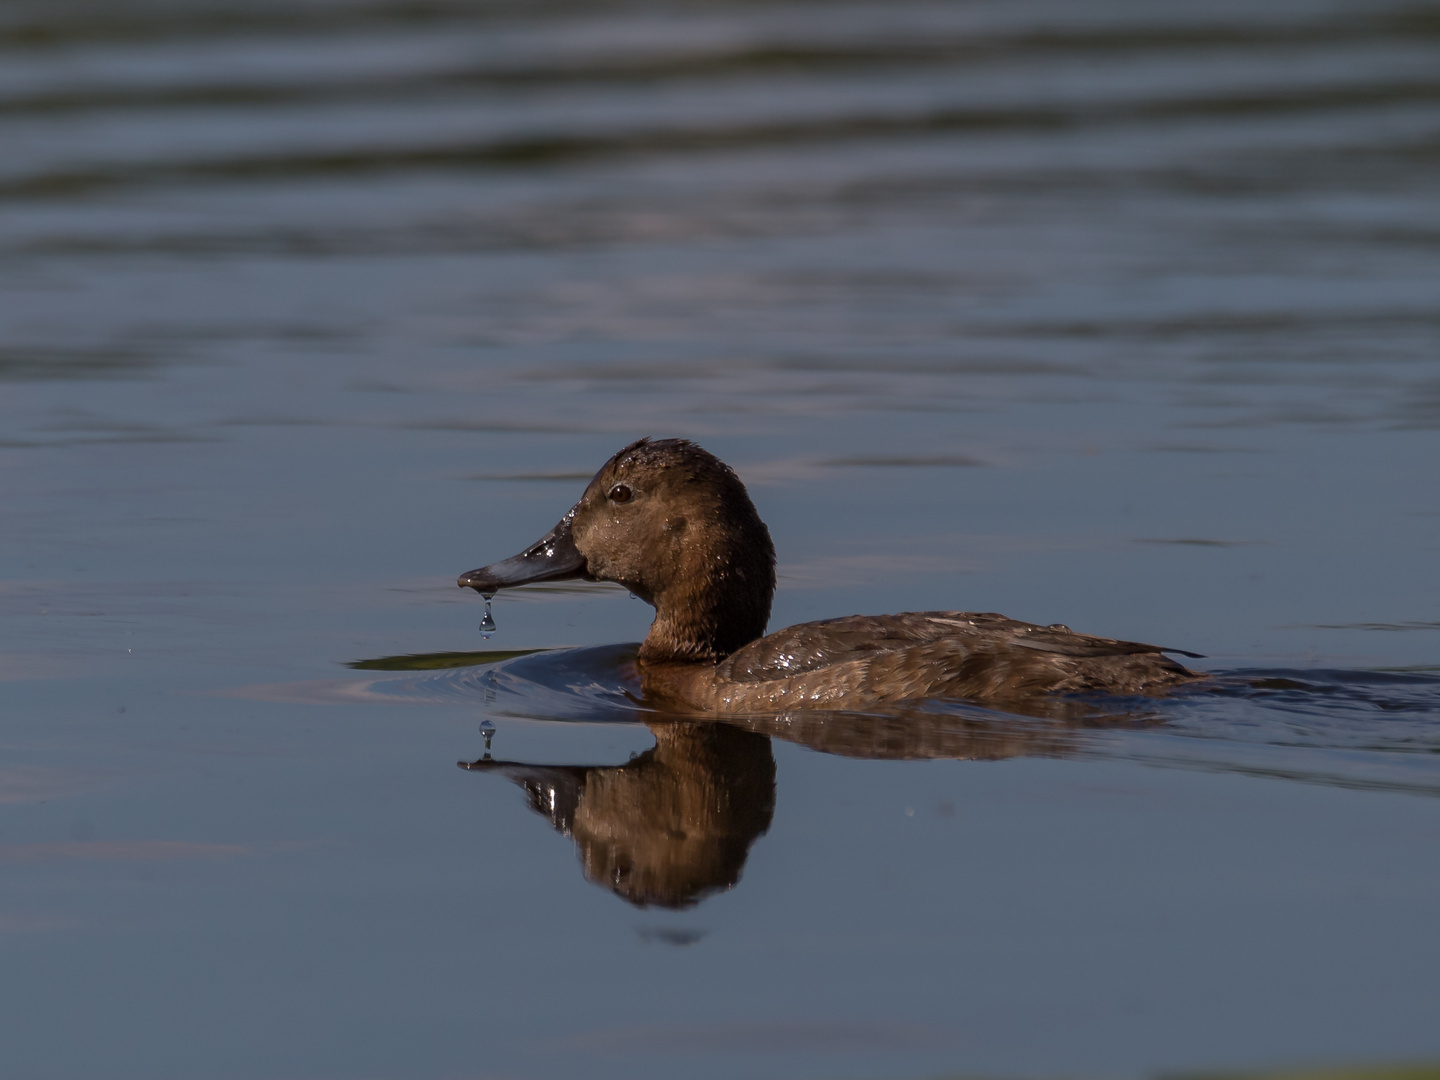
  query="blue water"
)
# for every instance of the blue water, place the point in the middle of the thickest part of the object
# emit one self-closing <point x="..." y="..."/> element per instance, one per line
<point x="1116" y="315"/>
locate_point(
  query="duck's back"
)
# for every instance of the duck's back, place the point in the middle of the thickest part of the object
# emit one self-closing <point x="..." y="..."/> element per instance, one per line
<point x="865" y="660"/>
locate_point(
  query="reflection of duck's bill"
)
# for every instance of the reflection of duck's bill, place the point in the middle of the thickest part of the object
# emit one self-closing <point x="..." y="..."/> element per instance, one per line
<point x="553" y="557"/>
<point x="522" y="771"/>
<point x="487" y="763"/>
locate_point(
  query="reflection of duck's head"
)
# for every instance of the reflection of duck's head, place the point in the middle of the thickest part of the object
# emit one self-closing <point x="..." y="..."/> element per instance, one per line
<point x="670" y="827"/>
<point x="675" y="526"/>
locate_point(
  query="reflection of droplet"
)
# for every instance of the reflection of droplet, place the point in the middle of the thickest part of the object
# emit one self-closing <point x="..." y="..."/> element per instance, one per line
<point x="487" y="729"/>
<point x="487" y="624"/>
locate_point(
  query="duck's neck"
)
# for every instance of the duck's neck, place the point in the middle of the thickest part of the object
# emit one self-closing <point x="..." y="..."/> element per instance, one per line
<point x="715" y="605"/>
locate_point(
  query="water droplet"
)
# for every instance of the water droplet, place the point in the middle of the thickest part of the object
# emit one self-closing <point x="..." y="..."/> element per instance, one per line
<point x="487" y="624"/>
<point x="487" y="729"/>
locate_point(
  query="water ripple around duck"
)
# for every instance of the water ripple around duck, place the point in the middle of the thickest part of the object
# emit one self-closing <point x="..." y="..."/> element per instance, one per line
<point x="1351" y="728"/>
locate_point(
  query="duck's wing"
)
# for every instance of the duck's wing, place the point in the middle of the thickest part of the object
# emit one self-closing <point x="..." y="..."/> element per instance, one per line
<point x="811" y="646"/>
<point x="1060" y="639"/>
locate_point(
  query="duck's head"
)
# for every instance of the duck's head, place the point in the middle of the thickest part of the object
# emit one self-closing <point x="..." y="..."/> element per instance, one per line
<point x="675" y="526"/>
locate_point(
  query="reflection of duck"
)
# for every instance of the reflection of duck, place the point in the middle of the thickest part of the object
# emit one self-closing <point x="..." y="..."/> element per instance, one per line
<point x="676" y="823"/>
<point x="918" y="734"/>
<point x="675" y="526"/>
<point x="670" y="827"/>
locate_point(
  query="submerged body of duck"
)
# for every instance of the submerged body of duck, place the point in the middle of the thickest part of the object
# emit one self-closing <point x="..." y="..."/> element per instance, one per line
<point x="676" y="527"/>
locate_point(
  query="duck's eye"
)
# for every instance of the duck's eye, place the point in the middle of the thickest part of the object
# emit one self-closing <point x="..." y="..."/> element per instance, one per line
<point x="620" y="493"/>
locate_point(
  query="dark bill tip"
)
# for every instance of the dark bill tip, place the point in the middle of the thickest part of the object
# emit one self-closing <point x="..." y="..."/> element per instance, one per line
<point x="481" y="580"/>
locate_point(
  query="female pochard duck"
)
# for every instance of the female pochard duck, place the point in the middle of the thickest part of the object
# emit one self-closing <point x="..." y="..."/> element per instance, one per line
<point x="675" y="526"/>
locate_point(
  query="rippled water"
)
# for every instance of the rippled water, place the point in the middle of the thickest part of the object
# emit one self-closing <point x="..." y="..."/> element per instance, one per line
<point x="1121" y="315"/>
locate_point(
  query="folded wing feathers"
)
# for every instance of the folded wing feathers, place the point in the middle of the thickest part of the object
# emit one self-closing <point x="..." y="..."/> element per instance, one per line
<point x="923" y="638"/>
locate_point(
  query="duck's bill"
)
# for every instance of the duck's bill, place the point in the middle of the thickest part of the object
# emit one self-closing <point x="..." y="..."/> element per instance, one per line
<point x="551" y="558"/>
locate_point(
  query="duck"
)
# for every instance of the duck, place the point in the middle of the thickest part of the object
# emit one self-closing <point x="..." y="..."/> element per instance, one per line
<point x="674" y="525"/>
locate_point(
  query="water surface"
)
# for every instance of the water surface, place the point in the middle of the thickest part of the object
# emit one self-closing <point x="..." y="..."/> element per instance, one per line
<point x="1117" y="315"/>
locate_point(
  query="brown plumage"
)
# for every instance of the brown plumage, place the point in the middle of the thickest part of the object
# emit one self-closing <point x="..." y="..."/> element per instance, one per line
<point x="675" y="526"/>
